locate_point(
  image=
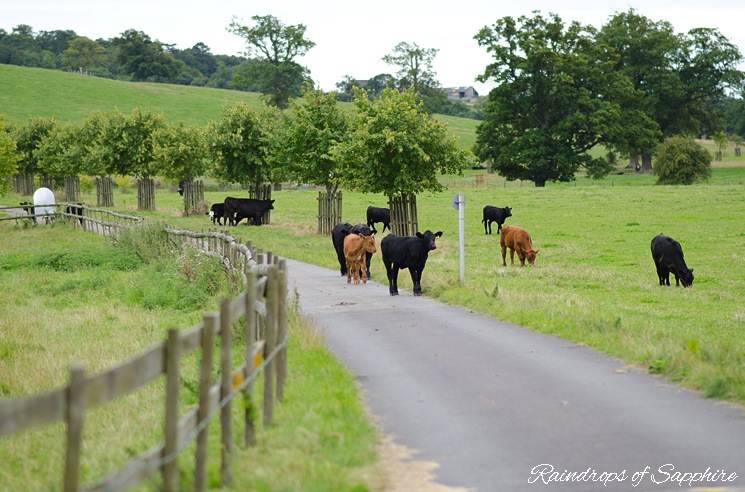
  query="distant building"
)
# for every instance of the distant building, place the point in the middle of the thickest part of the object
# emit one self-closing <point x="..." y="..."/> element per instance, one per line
<point x="466" y="93"/>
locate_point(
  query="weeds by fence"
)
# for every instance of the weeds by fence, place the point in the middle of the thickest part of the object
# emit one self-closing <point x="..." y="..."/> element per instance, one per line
<point x="261" y="313"/>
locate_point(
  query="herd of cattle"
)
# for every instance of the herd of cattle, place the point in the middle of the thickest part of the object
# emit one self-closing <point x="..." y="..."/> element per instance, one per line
<point x="355" y="245"/>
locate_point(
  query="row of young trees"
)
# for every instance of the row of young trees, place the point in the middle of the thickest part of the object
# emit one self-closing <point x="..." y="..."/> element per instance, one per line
<point x="389" y="145"/>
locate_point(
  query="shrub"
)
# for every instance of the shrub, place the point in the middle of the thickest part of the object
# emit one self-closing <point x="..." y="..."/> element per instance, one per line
<point x="124" y="183"/>
<point x="680" y="160"/>
<point x="149" y="242"/>
<point x="87" y="185"/>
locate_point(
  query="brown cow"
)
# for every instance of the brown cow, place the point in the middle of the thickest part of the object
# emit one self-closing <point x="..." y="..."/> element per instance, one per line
<point x="355" y="247"/>
<point x="516" y="239"/>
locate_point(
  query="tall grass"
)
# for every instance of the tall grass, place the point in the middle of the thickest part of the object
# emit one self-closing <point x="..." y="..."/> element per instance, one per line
<point x="68" y="296"/>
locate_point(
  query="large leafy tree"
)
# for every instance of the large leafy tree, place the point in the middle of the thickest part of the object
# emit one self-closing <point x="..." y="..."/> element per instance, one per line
<point x="396" y="148"/>
<point x="127" y="143"/>
<point x="8" y="157"/>
<point x="311" y="128"/>
<point x="679" y="76"/>
<point x="144" y="58"/>
<point x="239" y="146"/>
<point x="276" y="47"/>
<point x="84" y="53"/>
<point x="61" y="151"/>
<point x="414" y="66"/>
<point x="180" y="151"/>
<point x="557" y="97"/>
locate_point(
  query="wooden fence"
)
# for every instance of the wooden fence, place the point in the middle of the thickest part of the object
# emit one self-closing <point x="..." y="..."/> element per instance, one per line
<point x="329" y="211"/>
<point x="98" y="220"/>
<point x="404" y="218"/>
<point x="261" y="307"/>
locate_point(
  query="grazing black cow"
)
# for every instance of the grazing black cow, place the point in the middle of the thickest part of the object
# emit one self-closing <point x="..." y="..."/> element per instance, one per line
<point x="181" y="186"/>
<point x="76" y="209"/>
<point x="668" y="257"/>
<point x="407" y="252"/>
<point x="237" y="209"/>
<point x="495" y="214"/>
<point x="342" y="230"/>
<point x="376" y="214"/>
<point x="28" y="207"/>
<point x="217" y="213"/>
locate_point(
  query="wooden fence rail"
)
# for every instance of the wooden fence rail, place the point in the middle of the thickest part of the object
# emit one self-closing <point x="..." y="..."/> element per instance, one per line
<point x="262" y="308"/>
<point x="98" y="220"/>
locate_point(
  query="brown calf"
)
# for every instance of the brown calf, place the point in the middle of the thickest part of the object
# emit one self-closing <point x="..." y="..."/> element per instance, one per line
<point x="517" y="240"/>
<point x="355" y="247"/>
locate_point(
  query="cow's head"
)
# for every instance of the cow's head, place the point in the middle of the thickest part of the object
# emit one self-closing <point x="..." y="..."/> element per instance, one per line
<point x="368" y="242"/>
<point x="270" y="204"/>
<point x="429" y="238"/>
<point x="530" y="256"/>
<point x="686" y="277"/>
<point x="507" y="212"/>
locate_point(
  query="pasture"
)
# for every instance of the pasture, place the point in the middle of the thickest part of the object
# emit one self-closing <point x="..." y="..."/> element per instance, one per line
<point x="594" y="280"/>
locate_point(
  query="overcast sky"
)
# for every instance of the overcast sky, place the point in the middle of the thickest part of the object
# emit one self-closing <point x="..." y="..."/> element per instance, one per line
<point x="351" y="38"/>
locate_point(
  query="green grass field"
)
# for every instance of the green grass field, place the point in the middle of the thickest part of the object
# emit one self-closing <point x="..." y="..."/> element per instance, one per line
<point x="594" y="283"/>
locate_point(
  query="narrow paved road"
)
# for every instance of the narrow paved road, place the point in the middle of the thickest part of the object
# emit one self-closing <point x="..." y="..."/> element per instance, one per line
<point x="499" y="406"/>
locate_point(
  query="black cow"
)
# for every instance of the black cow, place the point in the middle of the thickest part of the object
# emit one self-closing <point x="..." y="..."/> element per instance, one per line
<point x="495" y="214"/>
<point x="237" y="209"/>
<point x="668" y="257"/>
<point x="342" y="230"/>
<point x="407" y="252"/>
<point x="28" y="207"/>
<point x="376" y="214"/>
<point x="181" y="186"/>
<point x="217" y="213"/>
<point x="76" y="209"/>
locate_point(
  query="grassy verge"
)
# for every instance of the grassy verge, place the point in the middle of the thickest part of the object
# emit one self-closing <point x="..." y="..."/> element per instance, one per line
<point x="69" y="296"/>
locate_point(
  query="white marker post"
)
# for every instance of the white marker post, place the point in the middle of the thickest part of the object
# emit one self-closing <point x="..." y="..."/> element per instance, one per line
<point x="459" y="204"/>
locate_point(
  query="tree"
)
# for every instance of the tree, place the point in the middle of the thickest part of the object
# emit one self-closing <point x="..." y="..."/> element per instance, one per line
<point x="721" y="140"/>
<point x="414" y="66"/>
<point x="395" y="148"/>
<point x="28" y="135"/>
<point x="557" y="97"/>
<point x="238" y="146"/>
<point x="143" y="58"/>
<point x="312" y="127"/>
<point x="681" y="160"/>
<point x="275" y="46"/>
<point x="680" y="76"/>
<point x="180" y="151"/>
<point x="84" y="54"/>
<point x="8" y="157"/>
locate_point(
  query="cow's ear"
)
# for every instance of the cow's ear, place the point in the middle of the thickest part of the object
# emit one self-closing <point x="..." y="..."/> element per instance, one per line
<point x="438" y="234"/>
<point x="691" y="270"/>
<point x="419" y="235"/>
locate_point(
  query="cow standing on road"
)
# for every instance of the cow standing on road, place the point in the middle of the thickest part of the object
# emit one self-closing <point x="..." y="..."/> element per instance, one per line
<point x="356" y="246"/>
<point x="376" y="214"/>
<point x="407" y="252"/>
<point x="668" y="258"/>
<point x="495" y="214"/>
<point x="342" y="230"/>
<point x="237" y="209"/>
<point x="519" y="240"/>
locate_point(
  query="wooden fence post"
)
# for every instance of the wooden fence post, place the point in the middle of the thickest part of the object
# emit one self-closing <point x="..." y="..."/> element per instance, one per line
<point x="250" y="330"/>
<point x="282" y="330"/>
<point x="270" y="336"/>
<point x="75" y="409"/>
<point x="170" y="467"/>
<point x="226" y="386"/>
<point x="205" y="381"/>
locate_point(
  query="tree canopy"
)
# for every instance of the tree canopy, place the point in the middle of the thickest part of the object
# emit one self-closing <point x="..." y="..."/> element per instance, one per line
<point x="276" y="47"/>
<point x="8" y="157"/>
<point x="395" y="147"/>
<point x="311" y="128"/>
<point x="557" y="97"/>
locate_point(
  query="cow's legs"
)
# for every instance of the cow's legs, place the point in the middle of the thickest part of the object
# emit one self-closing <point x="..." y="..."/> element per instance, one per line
<point x="504" y="255"/>
<point x="368" y="257"/>
<point x="416" y="278"/>
<point x="512" y="256"/>
<point x="392" y="279"/>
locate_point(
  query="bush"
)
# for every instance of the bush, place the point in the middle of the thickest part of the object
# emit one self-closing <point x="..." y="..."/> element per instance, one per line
<point x="680" y="160"/>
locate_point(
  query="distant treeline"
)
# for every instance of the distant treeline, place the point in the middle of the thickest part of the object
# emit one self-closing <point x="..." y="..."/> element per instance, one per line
<point x="134" y="56"/>
<point x="131" y="56"/>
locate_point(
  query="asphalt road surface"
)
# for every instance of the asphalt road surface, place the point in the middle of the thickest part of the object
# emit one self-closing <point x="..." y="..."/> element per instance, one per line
<point x="502" y="408"/>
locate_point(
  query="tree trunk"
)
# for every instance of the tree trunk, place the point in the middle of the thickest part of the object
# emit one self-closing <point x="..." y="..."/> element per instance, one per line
<point x="634" y="162"/>
<point x="104" y="192"/>
<point x="647" y="163"/>
<point x="72" y="188"/>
